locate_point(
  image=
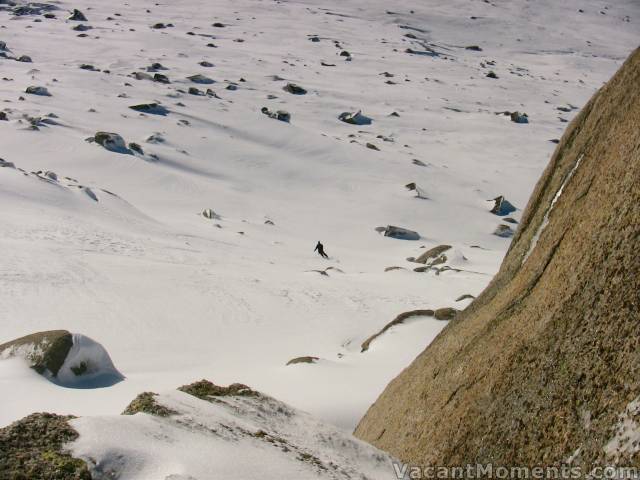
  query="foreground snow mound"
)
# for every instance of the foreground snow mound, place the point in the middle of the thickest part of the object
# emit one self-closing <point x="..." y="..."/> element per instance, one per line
<point x="205" y="431"/>
<point x="66" y="359"/>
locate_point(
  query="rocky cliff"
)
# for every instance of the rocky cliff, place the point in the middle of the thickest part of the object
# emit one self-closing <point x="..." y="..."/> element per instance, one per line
<point x="544" y="367"/>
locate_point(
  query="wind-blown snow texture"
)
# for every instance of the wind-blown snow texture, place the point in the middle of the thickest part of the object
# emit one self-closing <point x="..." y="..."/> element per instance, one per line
<point x="114" y="245"/>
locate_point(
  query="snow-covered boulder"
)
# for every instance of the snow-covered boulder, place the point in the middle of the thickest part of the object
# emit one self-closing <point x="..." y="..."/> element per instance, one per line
<point x="64" y="358"/>
<point x="401" y="233"/>
<point x="110" y="141"/>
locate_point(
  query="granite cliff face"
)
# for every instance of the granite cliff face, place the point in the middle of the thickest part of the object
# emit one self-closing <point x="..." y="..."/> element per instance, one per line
<point x="544" y="367"/>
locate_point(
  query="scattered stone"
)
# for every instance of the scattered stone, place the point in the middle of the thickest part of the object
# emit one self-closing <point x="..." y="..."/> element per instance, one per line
<point x="294" y="89"/>
<point x="419" y="163"/>
<point x="492" y="74"/>
<point x="42" y="91"/>
<point x="110" y="141"/>
<point x="78" y="16"/>
<point x="3" y="116"/>
<point x="281" y="115"/>
<point x="160" y="78"/>
<point x="390" y="269"/>
<point x="504" y="231"/>
<point x="396" y="321"/>
<point x="136" y="148"/>
<point x="204" y="390"/>
<point x="158" y="26"/>
<point x="206" y="64"/>
<point x="24" y="59"/>
<point x="82" y="28"/>
<point x="218" y="25"/>
<point x="464" y="297"/>
<point x="509" y="220"/>
<point x="413" y="187"/>
<point x="201" y="79"/>
<point x="518" y="117"/>
<point x="195" y="91"/>
<point x="146" y="403"/>
<point x="502" y="206"/>
<point x="371" y="146"/>
<point x="210" y="214"/>
<point x="86" y="66"/>
<point x="446" y="313"/>
<point x="401" y="233"/>
<point x="150" y="108"/>
<point x="473" y="48"/>
<point x="297" y="360"/>
<point x="355" y="118"/>
<point x="434" y="253"/>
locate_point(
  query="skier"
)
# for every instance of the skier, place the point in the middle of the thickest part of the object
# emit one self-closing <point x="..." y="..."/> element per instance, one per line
<point x="320" y="249"/>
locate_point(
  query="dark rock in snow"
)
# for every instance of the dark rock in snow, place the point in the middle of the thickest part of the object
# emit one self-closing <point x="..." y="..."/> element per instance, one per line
<point x="78" y="16"/>
<point x="111" y="141"/>
<point x="42" y="91"/>
<point x="401" y="233"/>
<point x="294" y="89"/>
<point x="447" y="313"/>
<point x="518" y="117"/>
<point x="492" y="74"/>
<point x="160" y="78"/>
<point x="150" y="108"/>
<point x="24" y="59"/>
<point x="297" y="360"/>
<point x="504" y="231"/>
<point x="201" y="79"/>
<point x="281" y="115"/>
<point x="355" y="118"/>
<point x="502" y="206"/>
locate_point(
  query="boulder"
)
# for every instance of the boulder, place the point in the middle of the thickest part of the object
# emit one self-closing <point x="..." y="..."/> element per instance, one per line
<point x="518" y="117"/>
<point x="356" y="118"/>
<point x="42" y="91"/>
<point x="446" y="313"/>
<point x="110" y="141"/>
<point x="297" y="360"/>
<point x="150" y="108"/>
<point x="432" y="253"/>
<point x="78" y="16"/>
<point x="401" y="233"/>
<point x="504" y="231"/>
<point x="294" y="89"/>
<point x="210" y="214"/>
<point x="403" y="317"/>
<point x="502" y="206"/>
<point x="201" y="79"/>
<point x="66" y="359"/>
<point x="281" y="115"/>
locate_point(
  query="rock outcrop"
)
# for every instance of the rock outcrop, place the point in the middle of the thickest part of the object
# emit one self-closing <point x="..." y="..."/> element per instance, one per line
<point x="543" y="368"/>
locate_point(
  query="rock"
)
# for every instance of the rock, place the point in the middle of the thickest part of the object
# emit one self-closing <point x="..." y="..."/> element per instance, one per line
<point x="82" y="28"/>
<point x="390" y="269"/>
<point x="206" y="64"/>
<point x="413" y="187"/>
<point x="210" y="214"/>
<point x="150" y="108"/>
<point x="205" y="390"/>
<point x="281" y="115"/>
<point x="446" y="313"/>
<point x="3" y="116"/>
<point x="42" y="91"/>
<point x="218" y="25"/>
<point x="195" y="91"/>
<point x="66" y="359"/>
<point x="201" y="79"/>
<point x="504" y="231"/>
<point x="142" y="76"/>
<point x="433" y="253"/>
<point x="158" y="26"/>
<point x="419" y="163"/>
<point x="160" y="78"/>
<point x="473" y="48"/>
<point x="294" y="89"/>
<point x="401" y="233"/>
<point x="502" y="206"/>
<point x="509" y="220"/>
<point x="136" y="148"/>
<point x="466" y="296"/>
<point x="145" y="403"/>
<point x="297" y="360"/>
<point x="518" y="117"/>
<point x="355" y="118"/>
<point x="492" y="74"/>
<point x="344" y="53"/>
<point x="24" y="59"/>
<point x="35" y="448"/>
<point x="372" y="146"/>
<point x="110" y="141"/>
<point x="78" y="16"/>
<point x="403" y="317"/>
<point x="5" y="164"/>
<point x="86" y="66"/>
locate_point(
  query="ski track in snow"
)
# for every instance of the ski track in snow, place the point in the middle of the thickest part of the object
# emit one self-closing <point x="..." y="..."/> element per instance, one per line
<point x="172" y="297"/>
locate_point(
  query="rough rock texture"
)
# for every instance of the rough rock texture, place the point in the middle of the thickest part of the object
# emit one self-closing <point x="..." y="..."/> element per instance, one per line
<point x="545" y="364"/>
<point x="204" y="389"/>
<point x="32" y="448"/>
<point x="396" y="321"/>
<point x="44" y="350"/>
<point x="146" y="403"/>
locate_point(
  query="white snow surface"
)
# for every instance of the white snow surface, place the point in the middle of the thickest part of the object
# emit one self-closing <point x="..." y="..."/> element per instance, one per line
<point x="114" y="246"/>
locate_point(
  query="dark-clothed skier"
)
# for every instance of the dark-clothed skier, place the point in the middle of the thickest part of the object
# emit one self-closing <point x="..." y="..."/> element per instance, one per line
<point x="320" y="249"/>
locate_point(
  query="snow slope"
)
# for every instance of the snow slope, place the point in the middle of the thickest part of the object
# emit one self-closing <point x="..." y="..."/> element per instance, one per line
<point x="116" y="248"/>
